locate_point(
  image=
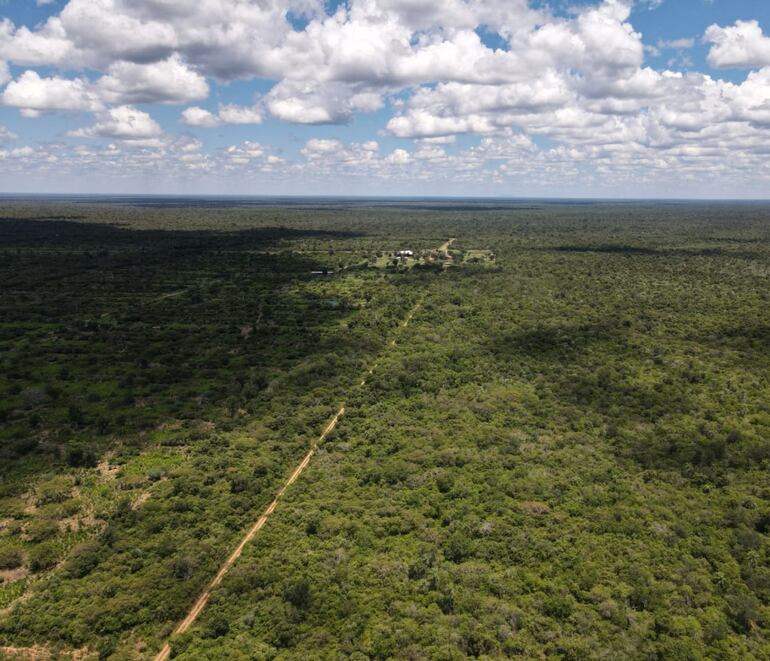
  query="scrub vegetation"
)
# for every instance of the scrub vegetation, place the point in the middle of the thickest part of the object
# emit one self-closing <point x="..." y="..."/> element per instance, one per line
<point x="565" y="454"/>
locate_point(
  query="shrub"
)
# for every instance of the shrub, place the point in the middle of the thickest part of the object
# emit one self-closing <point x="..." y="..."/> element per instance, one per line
<point x="40" y="530"/>
<point x="43" y="556"/>
<point x="217" y="627"/>
<point x="154" y="474"/>
<point x="299" y="594"/>
<point x="458" y="547"/>
<point x="83" y="560"/>
<point x="743" y="611"/>
<point x="53" y="491"/>
<point x="80" y="457"/>
<point x="10" y="558"/>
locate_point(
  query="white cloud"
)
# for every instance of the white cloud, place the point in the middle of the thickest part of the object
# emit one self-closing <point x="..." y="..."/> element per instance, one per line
<point x="321" y="147"/>
<point x="167" y="81"/>
<point x="5" y="73"/>
<point x="200" y="117"/>
<point x="678" y="44"/>
<point x="506" y="161"/>
<point x="339" y="65"/>
<point x="228" y="113"/>
<point x="6" y="135"/>
<point x="123" y="123"/>
<point x="22" y="46"/>
<point x="241" y="155"/>
<point x="423" y="124"/>
<point x="750" y="101"/>
<point x="231" y="113"/>
<point x="399" y="157"/>
<point x="31" y="92"/>
<point x="226" y="37"/>
<point x="742" y="45"/>
<point x="578" y="78"/>
<point x="311" y="103"/>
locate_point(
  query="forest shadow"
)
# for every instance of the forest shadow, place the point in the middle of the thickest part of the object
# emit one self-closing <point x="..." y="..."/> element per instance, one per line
<point x="584" y="363"/>
<point x="67" y="232"/>
<point x="743" y="337"/>
<point x="556" y="342"/>
<point x="623" y="249"/>
<point x="108" y="330"/>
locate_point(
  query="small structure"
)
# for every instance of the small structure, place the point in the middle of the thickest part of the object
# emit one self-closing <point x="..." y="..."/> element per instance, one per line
<point x="324" y="272"/>
<point x="405" y="253"/>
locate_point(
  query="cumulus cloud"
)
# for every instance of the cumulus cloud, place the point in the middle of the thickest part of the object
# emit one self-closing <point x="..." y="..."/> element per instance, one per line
<point x="167" y="81"/>
<point x="33" y="93"/>
<point x="25" y="47"/>
<point x="750" y="101"/>
<point x="325" y="157"/>
<point x="6" y="135"/>
<point x="578" y="77"/>
<point x="123" y="123"/>
<point x="338" y="65"/>
<point x="506" y="161"/>
<point x="320" y="103"/>
<point x="231" y="113"/>
<point x="228" y="113"/>
<point x="227" y="37"/>
<point x="200" y="117"/>
<point x="742" y="45"/>
<point x="246" y="153"/>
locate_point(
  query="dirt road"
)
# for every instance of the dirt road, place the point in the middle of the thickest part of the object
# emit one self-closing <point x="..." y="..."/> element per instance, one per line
<point x="202" y="600"/>
<point x="200" y="604"/>
<point x="445" y="246"/>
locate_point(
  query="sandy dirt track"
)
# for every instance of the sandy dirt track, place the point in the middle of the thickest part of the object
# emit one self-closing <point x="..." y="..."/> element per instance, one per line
<point x="200" y="603"/>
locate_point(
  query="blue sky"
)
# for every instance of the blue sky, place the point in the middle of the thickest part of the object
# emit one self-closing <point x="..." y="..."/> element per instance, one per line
<point x="488" y="97"/>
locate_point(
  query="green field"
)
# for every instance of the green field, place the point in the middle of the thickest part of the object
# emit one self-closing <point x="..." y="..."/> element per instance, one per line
<point x="564" y="454"/>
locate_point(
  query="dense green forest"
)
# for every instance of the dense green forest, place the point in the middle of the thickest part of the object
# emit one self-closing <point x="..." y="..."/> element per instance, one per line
<point x="564" y="454"/>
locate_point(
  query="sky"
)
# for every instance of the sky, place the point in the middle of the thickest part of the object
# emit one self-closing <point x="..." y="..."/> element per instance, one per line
<point x="503" y="98"/>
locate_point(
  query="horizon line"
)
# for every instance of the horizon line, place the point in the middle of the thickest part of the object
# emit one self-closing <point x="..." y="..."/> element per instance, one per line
<point x="330" y="197"/>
